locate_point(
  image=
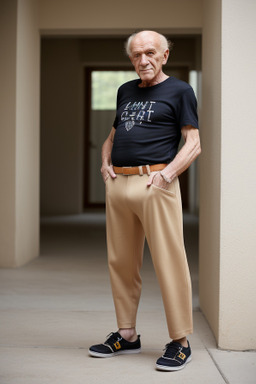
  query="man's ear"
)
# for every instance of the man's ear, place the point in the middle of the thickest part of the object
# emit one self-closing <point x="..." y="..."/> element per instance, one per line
<point x="166" y="56"/>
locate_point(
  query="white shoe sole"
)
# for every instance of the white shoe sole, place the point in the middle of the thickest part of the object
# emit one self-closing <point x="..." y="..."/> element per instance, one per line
<point x="125" y="352"/>
<point x="170" y="369"/>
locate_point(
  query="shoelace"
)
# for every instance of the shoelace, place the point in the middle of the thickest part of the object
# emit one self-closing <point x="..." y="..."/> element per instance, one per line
<point x="172" y="349"/>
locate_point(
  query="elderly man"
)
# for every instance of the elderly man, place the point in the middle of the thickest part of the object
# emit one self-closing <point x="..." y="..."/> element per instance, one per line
<point x="140" y="167"/>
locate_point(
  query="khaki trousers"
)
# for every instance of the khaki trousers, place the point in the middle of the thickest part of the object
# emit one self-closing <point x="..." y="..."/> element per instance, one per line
<point x="134" y="211"/>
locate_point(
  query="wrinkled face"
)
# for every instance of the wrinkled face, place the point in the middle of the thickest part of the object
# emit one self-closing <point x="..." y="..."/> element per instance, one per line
<point x="148" y="56"/>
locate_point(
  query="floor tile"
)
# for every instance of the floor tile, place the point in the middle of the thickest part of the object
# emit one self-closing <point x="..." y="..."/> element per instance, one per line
<point x="236" y="367"/>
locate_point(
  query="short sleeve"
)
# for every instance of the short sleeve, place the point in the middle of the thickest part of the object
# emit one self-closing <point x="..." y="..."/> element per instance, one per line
<point x="187" y="111"/>
<point x="115" y="122"/>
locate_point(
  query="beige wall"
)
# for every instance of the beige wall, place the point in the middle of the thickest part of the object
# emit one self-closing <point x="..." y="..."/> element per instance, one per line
<point x="227" y="205"/>
<point x="27" y="132"/>
<point x="114" y="15"/>
<point x="20" y="133"/>
<point x="210" y="163"/>
<point x="238" y="160"/>
<point x="8" y="32"/>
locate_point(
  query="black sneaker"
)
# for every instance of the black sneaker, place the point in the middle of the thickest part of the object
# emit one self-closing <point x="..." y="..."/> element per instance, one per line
<point x="174" y="358"/>
<point x="115" y="345"/>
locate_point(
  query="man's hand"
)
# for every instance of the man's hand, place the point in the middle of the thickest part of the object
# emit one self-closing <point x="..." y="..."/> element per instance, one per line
<point x="188" y="153"/>
<point x="156" y="179"/>
<point x="107" y="168"/>
<point x="106" y="171"/>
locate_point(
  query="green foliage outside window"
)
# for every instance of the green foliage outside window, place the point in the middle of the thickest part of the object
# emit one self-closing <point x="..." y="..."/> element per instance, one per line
<point x="105" y="85"/>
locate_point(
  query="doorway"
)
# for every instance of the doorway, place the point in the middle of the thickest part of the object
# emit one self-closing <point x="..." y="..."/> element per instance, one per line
<point x="100" y="95"/>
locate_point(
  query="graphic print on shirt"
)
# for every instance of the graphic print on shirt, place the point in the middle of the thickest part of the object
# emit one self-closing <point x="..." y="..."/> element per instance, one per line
<point x="138" y="111"/>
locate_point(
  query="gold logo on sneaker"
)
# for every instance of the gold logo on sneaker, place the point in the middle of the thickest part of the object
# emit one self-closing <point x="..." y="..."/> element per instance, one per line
<point x="182" y="356"/>
<point x="117" y="345"/>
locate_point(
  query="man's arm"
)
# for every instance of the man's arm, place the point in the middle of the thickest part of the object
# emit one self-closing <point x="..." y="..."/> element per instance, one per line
<point x="188" y="153"/>
<point x="107" y="167"/>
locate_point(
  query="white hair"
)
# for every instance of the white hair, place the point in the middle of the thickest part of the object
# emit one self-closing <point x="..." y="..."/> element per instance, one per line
<point x="165" y="43"/>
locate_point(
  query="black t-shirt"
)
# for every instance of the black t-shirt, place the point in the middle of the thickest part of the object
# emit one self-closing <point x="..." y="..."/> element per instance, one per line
<point x="149" y="120"/>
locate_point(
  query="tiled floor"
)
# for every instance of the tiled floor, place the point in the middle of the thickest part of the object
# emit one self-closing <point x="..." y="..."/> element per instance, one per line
<point x="55" y="307"/>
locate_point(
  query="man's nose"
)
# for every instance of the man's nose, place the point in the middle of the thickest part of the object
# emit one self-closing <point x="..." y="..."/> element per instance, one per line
<point x="143" y="59"/>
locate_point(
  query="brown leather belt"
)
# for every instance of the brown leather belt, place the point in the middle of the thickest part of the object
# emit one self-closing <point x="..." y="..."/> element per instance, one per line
<point x="140" y="170"/>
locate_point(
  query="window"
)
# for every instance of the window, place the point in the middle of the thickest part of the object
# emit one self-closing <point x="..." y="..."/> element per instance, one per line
<point x="105" y="85"/>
